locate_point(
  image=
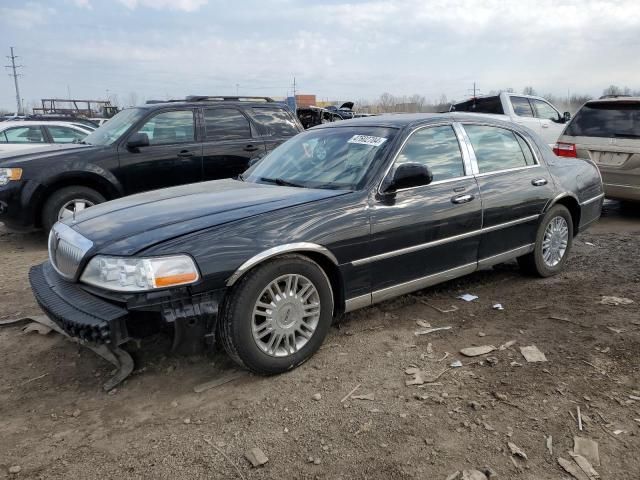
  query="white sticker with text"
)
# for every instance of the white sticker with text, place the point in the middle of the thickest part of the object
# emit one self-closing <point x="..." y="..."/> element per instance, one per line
<point x="367" y="140"/>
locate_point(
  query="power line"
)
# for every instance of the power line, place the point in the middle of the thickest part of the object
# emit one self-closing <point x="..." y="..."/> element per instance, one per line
<point x="15" y="76"/>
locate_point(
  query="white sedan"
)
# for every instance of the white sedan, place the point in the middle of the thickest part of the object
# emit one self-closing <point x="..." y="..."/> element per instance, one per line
<point x="22" y="136"/>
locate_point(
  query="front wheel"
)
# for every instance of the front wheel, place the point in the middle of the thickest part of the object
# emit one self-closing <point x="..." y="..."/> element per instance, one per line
<point x="553" y="243"/>
<point x="277" y="315"/>
<point x="67" y="202"/>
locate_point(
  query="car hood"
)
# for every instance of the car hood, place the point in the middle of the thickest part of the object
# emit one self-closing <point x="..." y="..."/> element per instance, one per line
<point x="9" y="158"/>
<point x="137" y="222"/>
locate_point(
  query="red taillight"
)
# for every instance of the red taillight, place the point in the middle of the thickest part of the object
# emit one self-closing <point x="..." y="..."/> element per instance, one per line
<point x="565" y="150"/>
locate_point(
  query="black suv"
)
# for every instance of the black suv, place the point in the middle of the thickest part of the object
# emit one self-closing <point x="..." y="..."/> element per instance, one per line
<point x="157" y="145"/>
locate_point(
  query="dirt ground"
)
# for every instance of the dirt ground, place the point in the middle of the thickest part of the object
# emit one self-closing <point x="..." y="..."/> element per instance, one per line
<point x="55" y="421"/>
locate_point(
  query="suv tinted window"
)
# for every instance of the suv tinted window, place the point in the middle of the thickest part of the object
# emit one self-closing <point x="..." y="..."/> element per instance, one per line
<point x="606" y="119"/>
<point x="438" y="149"/>
<point x="65" y="134"/>
<point x="481" y="105"/>
<point x="495" y="148"/>
<point x="170" y="127"/>
<point x="544" y="110"/>
<point x="276" y="121"/>
<point x="521" y="106"/>
<point x="22" y="135"/>
<point x="226" y="123"/>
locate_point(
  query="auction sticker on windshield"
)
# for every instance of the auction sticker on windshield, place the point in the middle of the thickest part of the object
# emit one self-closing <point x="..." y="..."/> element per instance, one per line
<point x="367" y="140"/>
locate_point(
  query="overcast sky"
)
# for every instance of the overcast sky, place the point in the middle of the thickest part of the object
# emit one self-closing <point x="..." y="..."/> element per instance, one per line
<point x="335" y="49"/>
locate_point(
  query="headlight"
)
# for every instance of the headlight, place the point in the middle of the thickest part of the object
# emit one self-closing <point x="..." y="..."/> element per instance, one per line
<point x="123" y="274"/>
<point x="8" y="174"/>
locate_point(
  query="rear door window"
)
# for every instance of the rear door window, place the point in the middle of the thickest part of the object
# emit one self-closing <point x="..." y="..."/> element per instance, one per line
<point x="606" y="119"/>
<point x="521" y="106"/>
<point x="65" y="134"/>
<point x="496" y="148"/>
<point x="31" y="134"/>
<point x="225" y="124"/>
<point x="438" y="149"/>
<point x="481" y="105"/>
<point x="277" y="122"/>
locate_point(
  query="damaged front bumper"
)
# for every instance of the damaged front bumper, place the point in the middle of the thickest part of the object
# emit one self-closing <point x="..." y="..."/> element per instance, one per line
<point x="105" y="324"/>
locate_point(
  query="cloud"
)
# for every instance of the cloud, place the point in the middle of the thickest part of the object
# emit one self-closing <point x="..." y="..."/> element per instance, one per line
<point x="183" y="5"/>
<point x="82" y="4"/>
<point x="30" y="15"/>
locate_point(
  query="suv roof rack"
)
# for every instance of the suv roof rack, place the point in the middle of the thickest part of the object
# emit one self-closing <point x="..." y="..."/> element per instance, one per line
<point x="617" y="95"/>
<point x="220" y="98"/>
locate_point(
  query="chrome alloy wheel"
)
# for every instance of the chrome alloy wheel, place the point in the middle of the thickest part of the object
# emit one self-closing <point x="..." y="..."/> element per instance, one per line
<point x="285" y="315"/>
<point x="74" y="206"/>
<point x="554" y="242"/>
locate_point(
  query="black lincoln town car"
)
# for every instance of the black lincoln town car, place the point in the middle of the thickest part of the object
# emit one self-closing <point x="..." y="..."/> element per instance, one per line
<point x="338" y="218"/>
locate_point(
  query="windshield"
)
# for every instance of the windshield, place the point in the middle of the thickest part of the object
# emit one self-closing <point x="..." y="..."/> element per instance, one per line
<point x="111" y="131"/>
<point x="335" y="158"/>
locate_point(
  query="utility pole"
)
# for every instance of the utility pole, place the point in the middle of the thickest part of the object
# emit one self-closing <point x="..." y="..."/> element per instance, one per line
<point x="295" y="101"/>
<point x="15" y="76"/>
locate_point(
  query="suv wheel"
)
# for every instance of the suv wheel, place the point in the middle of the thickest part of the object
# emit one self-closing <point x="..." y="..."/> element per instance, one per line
<point x="278" y="315"/>
<point x="66" y="202"/>
<point x="553" y="243"/>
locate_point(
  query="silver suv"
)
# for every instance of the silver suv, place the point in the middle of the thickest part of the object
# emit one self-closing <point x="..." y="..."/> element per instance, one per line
<point x="607" y="131"/>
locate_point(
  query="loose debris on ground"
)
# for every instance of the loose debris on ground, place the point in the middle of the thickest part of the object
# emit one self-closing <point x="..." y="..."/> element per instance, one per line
<point x="367" y="422"/>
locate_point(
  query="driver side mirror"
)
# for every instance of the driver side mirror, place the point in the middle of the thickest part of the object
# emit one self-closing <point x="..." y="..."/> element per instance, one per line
<point x="138" y="140"/>
<point x="408" y="175"/>
<point x="566" y="116"/>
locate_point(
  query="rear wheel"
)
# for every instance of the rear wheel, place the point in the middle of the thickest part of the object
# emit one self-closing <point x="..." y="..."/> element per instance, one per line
<point x="67" y="202"/>
<point x="553" y="243"/>
<point x="277" y="315"/>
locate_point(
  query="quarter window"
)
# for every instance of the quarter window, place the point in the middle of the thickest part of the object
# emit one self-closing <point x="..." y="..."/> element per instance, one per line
<point x="276" y="121"/>
<point x="438" y="149"/>
<point x="545" y="111"/>
<point x="65" y="134"/>
<point x="521" y="106"/>
<point x="170" y="127"/>
<point x="22" y="135"/>
<point x="226" y="123"/>
<point x="497" y="148"/>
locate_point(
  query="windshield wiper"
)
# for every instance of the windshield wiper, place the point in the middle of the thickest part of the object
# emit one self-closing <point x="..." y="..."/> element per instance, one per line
<point x="626" y="135"/>
<point x="281" y="182"/>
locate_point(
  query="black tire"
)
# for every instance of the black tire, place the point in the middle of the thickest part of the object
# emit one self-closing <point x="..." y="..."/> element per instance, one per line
<point x="59" y="198"/>
<point x="533" y="263"/>
<point x="235" y="323"/>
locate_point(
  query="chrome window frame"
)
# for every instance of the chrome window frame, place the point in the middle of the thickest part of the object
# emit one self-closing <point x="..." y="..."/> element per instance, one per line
<point x="466" y="160"/>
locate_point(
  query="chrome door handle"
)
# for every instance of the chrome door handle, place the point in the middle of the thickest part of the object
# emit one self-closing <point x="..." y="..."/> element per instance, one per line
<point x="462" y="198"/>
<point x="538" y="182"/>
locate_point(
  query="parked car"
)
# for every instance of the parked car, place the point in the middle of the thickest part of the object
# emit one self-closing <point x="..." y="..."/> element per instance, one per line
<point x="53" y="117"/>
<point x="345" y="111"/>
<point x="533" y="112"/>
<point x="342" y="216"/>
<point x="143" y="148"/>
<point x="22" y="136"/>
<point x="607" y="131"/>
<point x="312" y="116"/>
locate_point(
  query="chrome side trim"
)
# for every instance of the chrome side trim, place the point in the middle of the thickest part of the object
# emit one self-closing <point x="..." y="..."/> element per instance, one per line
<point x="620" y="186"/>
<point x="356" y="303"/>
<point x="507" y="170"/>
<point x="511" y="223"/>
<point x="279" y="250"/>
<point x="504" y="256"/>
<point x="442" y="241"/>
<point x="420" y="283"/>
<point x="591" y="200"/>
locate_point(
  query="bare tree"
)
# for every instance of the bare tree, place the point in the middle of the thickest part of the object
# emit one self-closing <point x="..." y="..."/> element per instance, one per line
<point x="132" y="99"/>
<point x="528" y="91"/>
<point x="418" y="102"/>
<point x="386" y="102"/>
<point x="612" y="90"/>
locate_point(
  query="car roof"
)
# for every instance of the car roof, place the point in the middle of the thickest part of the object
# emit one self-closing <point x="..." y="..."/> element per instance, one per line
<point x="37" y="123"/>
<point x="614" y="99"/>
<point x="213" y="101"/>
<point x="401" y="120"/>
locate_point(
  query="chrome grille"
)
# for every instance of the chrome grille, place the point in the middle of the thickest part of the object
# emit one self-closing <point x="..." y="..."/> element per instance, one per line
<point x="67" y="248"/>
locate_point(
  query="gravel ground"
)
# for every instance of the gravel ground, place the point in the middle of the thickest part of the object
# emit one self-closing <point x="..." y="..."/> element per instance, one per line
<point x="57" y="423"/>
